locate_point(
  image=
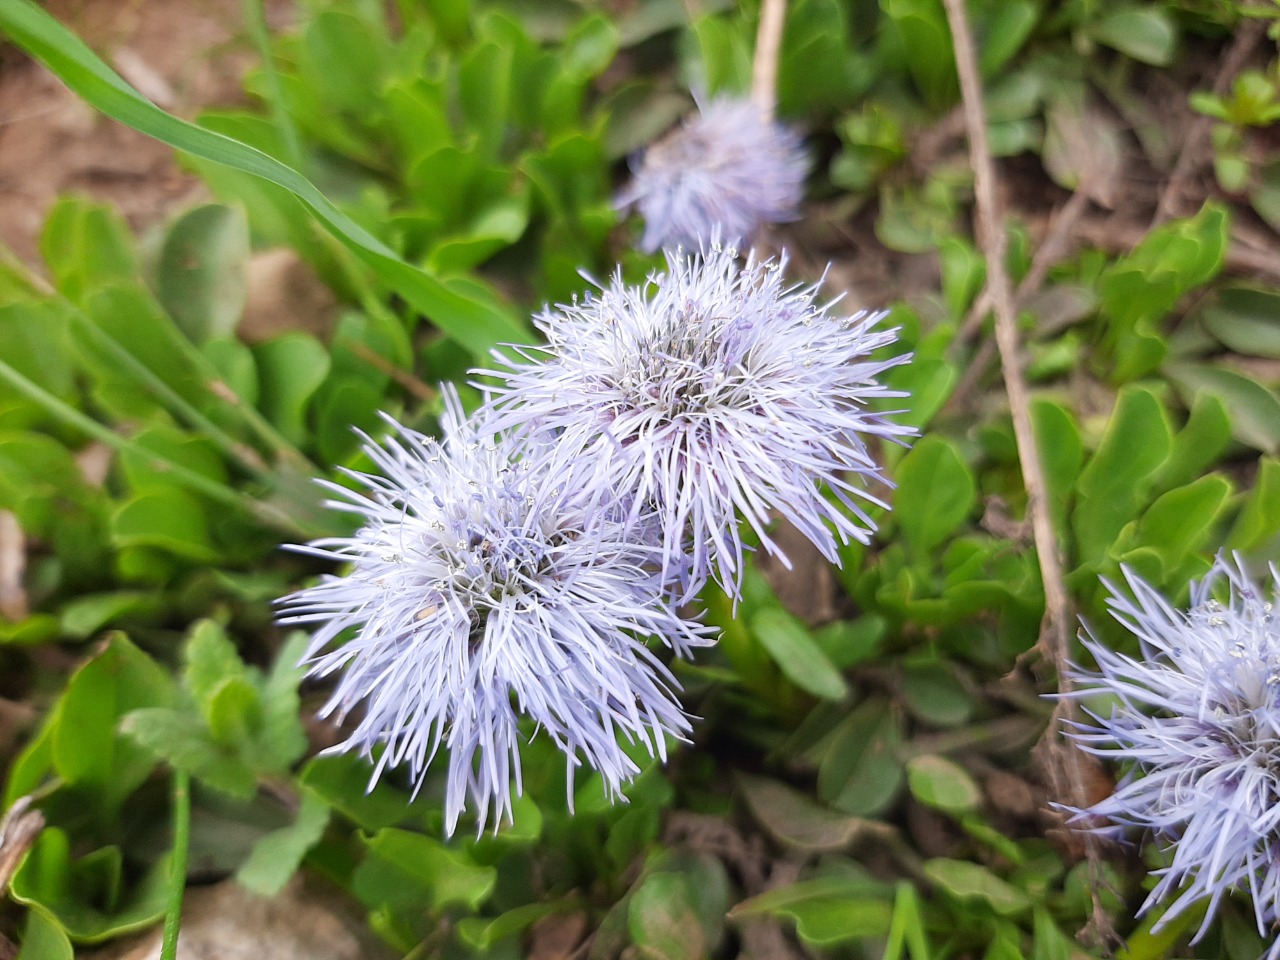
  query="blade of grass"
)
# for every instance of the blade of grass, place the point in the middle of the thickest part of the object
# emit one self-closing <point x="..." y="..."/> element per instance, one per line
<point x="476" y="326"/>
<point x="255" y="20"/>
<point x="264" y="513"/>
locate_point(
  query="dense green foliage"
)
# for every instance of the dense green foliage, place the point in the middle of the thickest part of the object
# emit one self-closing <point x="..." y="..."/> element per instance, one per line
<point x="870" y="746"/>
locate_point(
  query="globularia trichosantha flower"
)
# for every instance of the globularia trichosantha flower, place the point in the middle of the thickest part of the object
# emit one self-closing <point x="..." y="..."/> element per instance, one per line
<point x="1197" y="720"/>
<point x="714" y="391"/>
<point x="724" y="171"/>
<point x="482" y="587"/>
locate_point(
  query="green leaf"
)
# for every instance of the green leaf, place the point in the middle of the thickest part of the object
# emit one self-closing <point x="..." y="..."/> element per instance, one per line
<point x="1179" y="522"/>
<point x="1061" y="453"/>
<point x="1001" y="34"/>
<point x="483" y="933"/>
<point x="233" y="713"/>
<point x="282" y="739"/>
<point x="184" y="742"/>
<point x="663" y="925"/>
<point x="86" y="746"/>
<point x="826" y="909"/>
<point x="936" y="492"/>
<point x="410" y="871"/>
<point x="84" y="616"/>
<point x="1245" y="320"/>
<point x="1147" y="34"/>
<point x="478" y="326"/>
<point x="290" y="370"/>
<point x="43" y="937"/>
<point x="796" y="820"/>
<point x="86" y="245"/>
<point x="1258" y="525"/>
<point x="823" y="922"/>
<point x="860" y="773"/>
<point x="277" y="856"/>
<point x="84" y="895"/>
<point x="344" y="782"/>
<point x="933" y="693"/>
<point x="210" y="658"/>
<point x="922" y="27"/>
<point x="1199" y="443"/>
<point x="972" y="883"/>
<point x="1254" y="410"/>
<point x="201" y="277"/>
<point x="170" y="519"/>
<point x="937" y="782"/>
<point x="1116" y="479"/>
<point x="800" y="658"/>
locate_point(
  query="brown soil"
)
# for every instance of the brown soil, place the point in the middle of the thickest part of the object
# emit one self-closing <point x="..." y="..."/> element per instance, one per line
<point x="182" y="54"/>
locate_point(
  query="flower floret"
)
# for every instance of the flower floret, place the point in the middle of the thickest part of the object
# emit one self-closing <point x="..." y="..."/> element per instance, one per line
<point x="481" y="588"/>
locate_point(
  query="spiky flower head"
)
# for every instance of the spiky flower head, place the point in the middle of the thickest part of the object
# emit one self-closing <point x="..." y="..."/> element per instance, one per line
<point x="1197" y="720"/>
<point x="727" y="168"/>
<point x="713" y="391"/>
<point x="480" y="588"/>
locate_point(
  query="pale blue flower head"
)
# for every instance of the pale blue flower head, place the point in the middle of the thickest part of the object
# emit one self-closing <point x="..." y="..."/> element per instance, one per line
<point x="727" y="168"/>
<point x="717" y="394"/>
<point x="1197" y="722"/>
<point x="481" y="587"/>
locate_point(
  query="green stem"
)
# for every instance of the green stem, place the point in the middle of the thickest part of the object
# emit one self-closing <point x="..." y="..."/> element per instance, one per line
<point x="262" y="512"/>
<point x="255" y="19"/>
<point x="239" y="452"/>
<point x="211" y="381"/>
<point x="177" y="863"/>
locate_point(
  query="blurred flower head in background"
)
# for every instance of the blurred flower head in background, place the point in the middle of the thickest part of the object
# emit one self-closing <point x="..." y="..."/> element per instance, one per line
<point x="1197" y="720"/>
<point x="482" y="588"/>
<point x="723" y="171"/>
<point x="713" y="391"/>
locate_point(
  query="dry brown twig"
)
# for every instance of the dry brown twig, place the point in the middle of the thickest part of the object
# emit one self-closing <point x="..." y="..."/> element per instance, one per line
<point x="18" y="831"/>
<point x="764" y="67"/>
<point x="1064" y="766"/>
<point x="1192" y="155"/>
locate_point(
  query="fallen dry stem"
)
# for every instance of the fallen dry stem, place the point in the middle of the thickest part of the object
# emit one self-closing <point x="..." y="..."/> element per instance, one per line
<point x="764" y="68"/>
<point x="1063" y="768"/>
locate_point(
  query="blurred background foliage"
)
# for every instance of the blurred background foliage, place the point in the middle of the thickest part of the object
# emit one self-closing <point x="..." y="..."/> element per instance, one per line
<point x="861" y="782"/>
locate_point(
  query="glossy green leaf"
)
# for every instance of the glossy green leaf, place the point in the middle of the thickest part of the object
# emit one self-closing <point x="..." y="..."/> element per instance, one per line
<point x="278" y="855"/>
<point x="1254" y="410"/>
<point x="795" y="819"/>
<point x="1113" y="483"/>
<point x="290" y="369"/>
<point x="860" y="772"/>
<point x="936" y="492"/>
<point x="86" y="245"/>
<point x="1257" y="526"/>
<point x="84" y="894"/>
<point x="1180" y="521"/>
<point x="476" y="325"/>
<point x="169" y="519"/>
<point x="973" y="883"/>
<point x="662" y="921"/>
<point x="344" y="782"/>
<point x="43" y="937"/>
<point x="1199" y="443"/>
<point x="937" y="782"/>
<point x="1145" y="33"/>
<point x="413" y="871"/>
<point x="1246" y="320"/>
<point x="185" y="743"/>
<point x="797" y="655"/>
<point x="934" y="694"/>
<point x="201" y="276"/>
<point x="87" y="749"/>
